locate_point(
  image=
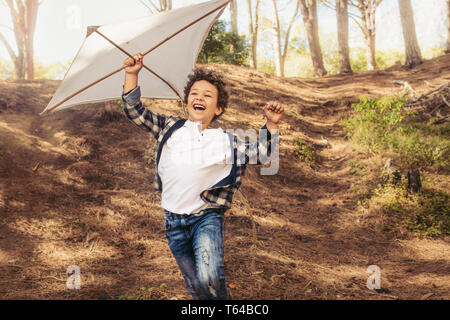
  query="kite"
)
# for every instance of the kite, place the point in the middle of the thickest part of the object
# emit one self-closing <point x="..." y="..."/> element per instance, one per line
<point x="170" y="42"/>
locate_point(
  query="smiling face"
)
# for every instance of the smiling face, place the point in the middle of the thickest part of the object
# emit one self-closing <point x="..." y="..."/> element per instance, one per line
<point x="202" y="103"/>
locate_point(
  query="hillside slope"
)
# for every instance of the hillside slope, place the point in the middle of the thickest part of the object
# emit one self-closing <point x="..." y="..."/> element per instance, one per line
<point x="73" y="192"/>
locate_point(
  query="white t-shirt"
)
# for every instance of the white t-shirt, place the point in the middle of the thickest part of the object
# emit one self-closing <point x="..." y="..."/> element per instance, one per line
<point x="191" y="161"/>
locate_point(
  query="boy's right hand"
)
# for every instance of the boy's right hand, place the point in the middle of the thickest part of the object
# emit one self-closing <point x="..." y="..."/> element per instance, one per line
<point x="133" y="67"/>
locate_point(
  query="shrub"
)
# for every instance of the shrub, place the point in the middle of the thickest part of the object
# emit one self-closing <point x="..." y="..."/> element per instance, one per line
<point x="303" y="152"/>
<point x="224" y="47"/>
<point x="383" y="125"/>
<point x="425" y="214"/>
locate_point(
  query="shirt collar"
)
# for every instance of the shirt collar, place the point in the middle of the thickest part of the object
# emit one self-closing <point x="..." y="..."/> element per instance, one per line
<point x="193" y="125"/>
<point x="196" y="125"/>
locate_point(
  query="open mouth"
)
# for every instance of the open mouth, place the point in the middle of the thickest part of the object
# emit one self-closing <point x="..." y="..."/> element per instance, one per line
<point x="199" y="107"/>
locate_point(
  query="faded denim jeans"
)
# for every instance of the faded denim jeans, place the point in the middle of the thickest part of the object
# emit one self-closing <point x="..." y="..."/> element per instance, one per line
<point x="196" y="242"/>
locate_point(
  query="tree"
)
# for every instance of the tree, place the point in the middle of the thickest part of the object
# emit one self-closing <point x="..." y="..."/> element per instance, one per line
<point x="366" y="23"/>
<point x="309" y="13"/>
<point x="223" y="47"/>
<point x="234" y="15"/>
<point x="447" y="49"/>
<point x="24" y="15"/>
<point x="412" y="50"/>
<point x="342" y="27"/>
<point x="281" y="52"/>
<point x="253" y="30"/>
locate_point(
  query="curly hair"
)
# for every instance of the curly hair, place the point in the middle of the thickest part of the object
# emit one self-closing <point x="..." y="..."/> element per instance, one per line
<point x="213" y="78"/>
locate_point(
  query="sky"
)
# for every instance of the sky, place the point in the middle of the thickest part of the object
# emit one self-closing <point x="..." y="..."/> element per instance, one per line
<point x="61" y="24"/>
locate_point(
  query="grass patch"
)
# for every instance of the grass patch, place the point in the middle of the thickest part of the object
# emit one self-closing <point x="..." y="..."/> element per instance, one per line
<point x="426" y="213"/>
<point x="383" y="126"/>
<point x="304" y="152"/>
<point x="358" y="169"/>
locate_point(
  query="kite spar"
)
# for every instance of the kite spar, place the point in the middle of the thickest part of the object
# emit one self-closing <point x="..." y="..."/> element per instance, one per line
<point x="169" y="83"/>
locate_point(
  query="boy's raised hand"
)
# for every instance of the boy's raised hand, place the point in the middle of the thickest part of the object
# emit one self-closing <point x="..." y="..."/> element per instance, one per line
<point x="133" y="67"/>
<point x="274" y="112"/>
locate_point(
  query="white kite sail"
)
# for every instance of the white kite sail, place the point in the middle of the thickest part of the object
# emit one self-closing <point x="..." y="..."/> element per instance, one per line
<point x="170" y="42"/>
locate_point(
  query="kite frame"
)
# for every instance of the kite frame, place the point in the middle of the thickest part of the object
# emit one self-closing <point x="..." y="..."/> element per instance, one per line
<point x="147" y="52"/>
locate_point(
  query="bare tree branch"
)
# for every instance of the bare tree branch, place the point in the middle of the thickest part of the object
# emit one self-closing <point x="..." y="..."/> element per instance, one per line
<point x="328" y="4"/>
<point x="288" y="32"/>
<point x="145" y="5"/>
<point x="8" y="47"/>
<point x="358" y="23"/>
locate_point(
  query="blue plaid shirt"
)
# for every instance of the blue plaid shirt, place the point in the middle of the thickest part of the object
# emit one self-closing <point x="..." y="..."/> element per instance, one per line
<point x="162" y="126"/>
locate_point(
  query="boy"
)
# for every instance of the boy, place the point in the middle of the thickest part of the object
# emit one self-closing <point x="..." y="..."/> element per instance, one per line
<point x="197" y="171"/>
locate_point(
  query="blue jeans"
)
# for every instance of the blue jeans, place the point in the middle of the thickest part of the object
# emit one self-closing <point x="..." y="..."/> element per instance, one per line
<point x="196" y="242"/>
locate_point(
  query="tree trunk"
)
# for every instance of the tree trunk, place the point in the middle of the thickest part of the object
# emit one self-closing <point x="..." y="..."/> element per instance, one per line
<point x="309" y="13"/>
<point x="412" y="50"/>
<point x="414" y="181"/>
<point x="447" y="49"/>
<point x="31" y="12"/>
<point x="282" y="53"/>
<point x="253" y="30"/>
<point x="165" y="5"/>
<point x="368" y="8"/>
<point x="24" y="16"/>
<point x="370" y="47"/>
<point x="17" y="60"/>
<point x="342" y="25"/>
<point x="279" y="61"/>
<point x="234" y="15"/>
<point x="369" y="23"/>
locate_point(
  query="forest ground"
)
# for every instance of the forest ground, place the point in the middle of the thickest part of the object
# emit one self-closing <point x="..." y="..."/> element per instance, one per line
<point x="76" y="188"/>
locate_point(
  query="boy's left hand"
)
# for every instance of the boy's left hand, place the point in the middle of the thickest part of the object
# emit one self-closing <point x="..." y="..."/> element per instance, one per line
<point x="274" y="112"/>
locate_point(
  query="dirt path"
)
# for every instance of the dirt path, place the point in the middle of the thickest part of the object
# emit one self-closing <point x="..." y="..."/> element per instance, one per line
<point x="73" y="192"/>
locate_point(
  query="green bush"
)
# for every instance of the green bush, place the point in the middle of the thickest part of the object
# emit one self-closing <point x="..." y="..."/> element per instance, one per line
<point x="383" y="125"/>
<point x="374" y="122"/>
<point x="303" y="152"/>
<point x="425" y="214"/>
<point x="224" y="47"/>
